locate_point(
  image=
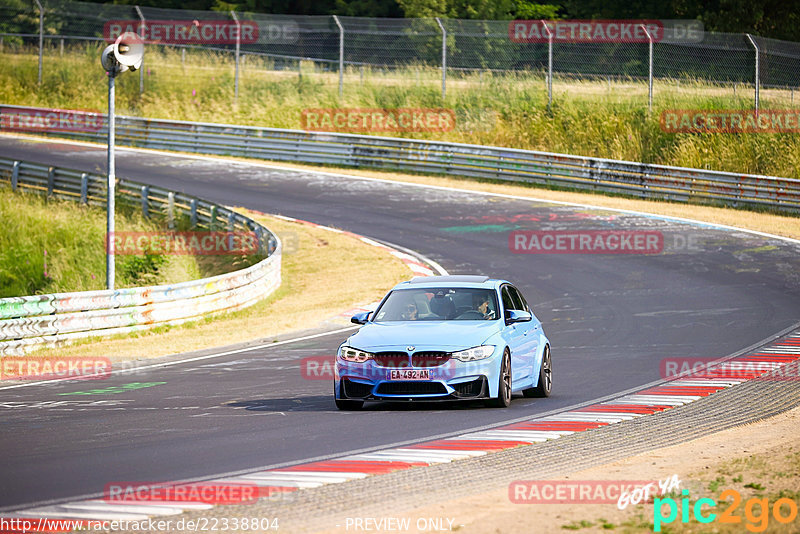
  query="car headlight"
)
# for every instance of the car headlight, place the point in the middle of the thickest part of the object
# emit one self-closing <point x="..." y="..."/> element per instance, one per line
<point x="354" y="355"/>
<point x="475" y="353"/>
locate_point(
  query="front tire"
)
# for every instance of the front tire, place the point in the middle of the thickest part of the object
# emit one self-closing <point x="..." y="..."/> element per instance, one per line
<point x="349" y="405"/>
<point x="545" y="384"/>
<point x="504" y="384"/>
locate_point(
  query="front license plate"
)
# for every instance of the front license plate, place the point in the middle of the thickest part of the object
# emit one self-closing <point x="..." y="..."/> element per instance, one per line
<point x="410" y="374"/>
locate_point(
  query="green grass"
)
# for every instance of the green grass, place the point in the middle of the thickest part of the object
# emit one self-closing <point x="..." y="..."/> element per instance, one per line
<point x="52" y="246"/>
<point x="589" y="118"/>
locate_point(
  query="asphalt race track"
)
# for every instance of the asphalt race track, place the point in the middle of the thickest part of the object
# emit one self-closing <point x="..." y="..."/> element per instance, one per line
<point x="611" y="319"/>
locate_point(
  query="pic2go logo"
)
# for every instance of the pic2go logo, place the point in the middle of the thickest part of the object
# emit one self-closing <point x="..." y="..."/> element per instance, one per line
<point x="756" y="511"/>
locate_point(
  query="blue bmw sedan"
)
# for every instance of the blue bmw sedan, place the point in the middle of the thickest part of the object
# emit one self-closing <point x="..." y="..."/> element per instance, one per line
<point x="445" y="338"/>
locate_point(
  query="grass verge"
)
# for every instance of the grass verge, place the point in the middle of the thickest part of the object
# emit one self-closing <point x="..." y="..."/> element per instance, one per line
<point x="53" y="246"/>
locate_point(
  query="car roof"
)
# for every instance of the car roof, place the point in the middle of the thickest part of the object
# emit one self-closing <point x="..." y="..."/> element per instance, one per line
<point x="459" y="280"/>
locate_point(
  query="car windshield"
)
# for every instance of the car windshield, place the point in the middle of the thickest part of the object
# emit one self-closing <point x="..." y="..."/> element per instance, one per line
<point x="439" y="304"/>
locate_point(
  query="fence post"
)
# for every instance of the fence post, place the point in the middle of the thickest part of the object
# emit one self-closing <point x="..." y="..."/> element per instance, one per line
<point x="41" y="37"/>
<point x="61" y="47"/>
<point x="341" y="55"/>
<point x="549" y="66"/>
<point x="444" y="57"/>
<point x="758" y="65"/>
<point x="171" y="210"/>
<point x="84" y="188"/>
<point x="193" y="216"/>
<point x="51" y="181"/>
<point x="238" y="42"/>
<point x="142" y="34"/>
<point x="145" y="204"/>
<point x="14" y="175"/>
<point x="231" y="229"/>
<point x="649" y="70"/>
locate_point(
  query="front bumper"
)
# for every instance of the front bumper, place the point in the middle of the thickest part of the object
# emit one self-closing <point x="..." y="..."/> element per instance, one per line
<point x="454" y="380"/>
<point x="397" y="390"/>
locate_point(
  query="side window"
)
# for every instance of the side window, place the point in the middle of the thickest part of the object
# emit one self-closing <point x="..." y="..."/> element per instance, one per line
<point x="519" y="301"/>
<point x="508" y="301"/>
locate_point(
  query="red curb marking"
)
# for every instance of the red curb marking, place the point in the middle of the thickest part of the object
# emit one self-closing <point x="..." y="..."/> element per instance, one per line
<point x="574" y="426"/>
<point x="624" y="408"/>
<point x="378" y="466"/>
<point x="678" y="390"/>
<point x="469" y="444"/>
<point x="768" y="357"/>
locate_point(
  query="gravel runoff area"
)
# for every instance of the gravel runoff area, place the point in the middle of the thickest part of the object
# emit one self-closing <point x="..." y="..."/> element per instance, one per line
<point x="327" y="507"/>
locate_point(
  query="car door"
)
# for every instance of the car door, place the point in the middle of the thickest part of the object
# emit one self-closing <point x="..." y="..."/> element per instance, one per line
<point x="531" y="332"/>
<point x="514" y="334"/>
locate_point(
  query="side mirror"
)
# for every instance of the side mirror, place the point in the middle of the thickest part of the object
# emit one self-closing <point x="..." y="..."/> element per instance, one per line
<point x="517" y="316"/>
<point x="361" y="318"/>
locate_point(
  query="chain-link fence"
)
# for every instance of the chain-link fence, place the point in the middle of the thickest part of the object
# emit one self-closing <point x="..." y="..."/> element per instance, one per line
<point x="449" y="52"/>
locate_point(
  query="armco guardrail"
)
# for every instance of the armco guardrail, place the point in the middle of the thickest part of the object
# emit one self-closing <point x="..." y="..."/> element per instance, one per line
<point x="45" y="320"/>
<point x="456" y="159"/>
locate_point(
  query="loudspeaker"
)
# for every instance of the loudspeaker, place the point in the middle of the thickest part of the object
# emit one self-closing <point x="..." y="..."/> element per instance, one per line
<point x="126" y="53"/>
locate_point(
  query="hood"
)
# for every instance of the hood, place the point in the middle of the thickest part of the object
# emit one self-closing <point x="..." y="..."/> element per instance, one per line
<point x="424" y="335"/>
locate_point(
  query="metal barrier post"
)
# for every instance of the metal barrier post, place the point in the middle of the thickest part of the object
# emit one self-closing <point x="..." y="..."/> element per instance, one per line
<point x="142" y="34"/>
<point x="238" y="43"/>
<point x="444" y="57"/>
<point x="549" y="66"/>
<point x="171" y="210"/>
<point x="14" y="175"/>
<point x="649" y="70"/>
<point x="51" y="181"/>
<point x="145" y="201"/>
<point x="193" y="212"/>
<point x="41" y="37"/>
<point x="758" y="65"/>
<point x="231" y="229"/>
<point x="84" y="188"/>
<point x="341" y="55"/>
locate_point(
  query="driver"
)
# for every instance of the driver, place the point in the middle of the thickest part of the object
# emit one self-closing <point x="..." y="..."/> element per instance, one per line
<point x="480" y="301"/>
<point x="410" y="313"/>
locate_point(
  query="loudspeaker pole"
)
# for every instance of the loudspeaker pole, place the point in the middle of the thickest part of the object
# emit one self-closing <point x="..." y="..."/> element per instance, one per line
<point x="111" y="183"/>
<point x="126" y="53"/>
